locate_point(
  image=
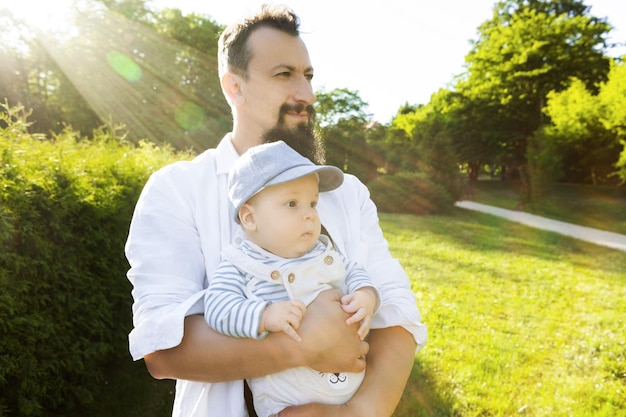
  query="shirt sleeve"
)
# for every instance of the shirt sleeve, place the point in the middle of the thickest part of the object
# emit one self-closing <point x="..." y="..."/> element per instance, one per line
<point x="356" y="277"/>
<point x="165" y="289"/>
<point x="398" y="303"/>
<point x="227" y="308"/>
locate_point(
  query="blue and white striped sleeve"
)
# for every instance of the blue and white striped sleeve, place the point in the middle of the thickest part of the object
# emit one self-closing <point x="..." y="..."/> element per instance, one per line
<point x="227" y="309"/>
<point x="357" y="277"/>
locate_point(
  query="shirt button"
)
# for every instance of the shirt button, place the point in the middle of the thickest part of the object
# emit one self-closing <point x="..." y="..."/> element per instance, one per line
<point x="275" y="275"/>
<point x="328" y="260"/>
<point x="291" y="278"/>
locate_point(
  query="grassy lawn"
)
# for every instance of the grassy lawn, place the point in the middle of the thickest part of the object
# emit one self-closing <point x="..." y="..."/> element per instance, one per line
<point x="521" y="321"/>
<point x="602" y="207"/>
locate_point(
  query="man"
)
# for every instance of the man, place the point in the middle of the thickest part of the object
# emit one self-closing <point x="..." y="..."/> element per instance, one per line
<point x="183" y="219"/>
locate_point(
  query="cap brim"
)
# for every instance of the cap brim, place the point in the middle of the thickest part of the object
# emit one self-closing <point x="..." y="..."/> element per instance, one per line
<point x="330" y="177"/>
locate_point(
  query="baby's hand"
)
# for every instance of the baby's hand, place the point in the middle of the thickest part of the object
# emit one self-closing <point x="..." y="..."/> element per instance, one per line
<point x="361" y="304"/>
<point x="283" y="316"/>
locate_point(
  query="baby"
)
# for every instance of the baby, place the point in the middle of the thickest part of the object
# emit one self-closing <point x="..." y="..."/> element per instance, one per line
<point x="265" y="283"/>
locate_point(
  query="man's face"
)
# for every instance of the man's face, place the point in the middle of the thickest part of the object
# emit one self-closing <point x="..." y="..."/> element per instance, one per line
<point x="279" y="76"/>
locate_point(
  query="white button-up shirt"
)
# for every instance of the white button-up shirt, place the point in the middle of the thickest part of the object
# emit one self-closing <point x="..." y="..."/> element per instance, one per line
<point x="182" y="221"/>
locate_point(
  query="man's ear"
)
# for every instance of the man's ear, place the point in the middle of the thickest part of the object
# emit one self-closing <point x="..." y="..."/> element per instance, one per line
<point x="232" y="87"/>
<point x="246" y="217"/>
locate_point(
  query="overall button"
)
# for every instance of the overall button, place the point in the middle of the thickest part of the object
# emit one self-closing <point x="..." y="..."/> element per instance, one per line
<point x="291" y="278"/>
<point x="328" y="260"/>
<point x="275" y="275"/>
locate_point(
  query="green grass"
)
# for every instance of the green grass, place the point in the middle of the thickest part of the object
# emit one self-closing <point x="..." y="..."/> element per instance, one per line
<point x="521" y="321"/>
<point x="602" y="207"/>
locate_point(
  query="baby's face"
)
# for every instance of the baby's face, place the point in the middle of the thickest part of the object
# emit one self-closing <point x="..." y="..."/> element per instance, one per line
<point x="286" y="221"/>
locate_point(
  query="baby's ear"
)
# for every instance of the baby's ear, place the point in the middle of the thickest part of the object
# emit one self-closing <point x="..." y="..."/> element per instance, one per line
<point x="246" y="217"/>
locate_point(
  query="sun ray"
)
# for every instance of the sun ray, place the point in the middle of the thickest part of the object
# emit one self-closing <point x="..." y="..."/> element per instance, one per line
<point x="130" y="74"/>
<point x="43" y="15"/>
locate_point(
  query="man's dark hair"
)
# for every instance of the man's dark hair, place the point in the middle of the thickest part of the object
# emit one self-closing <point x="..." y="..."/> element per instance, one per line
<point x="233" y="53"/>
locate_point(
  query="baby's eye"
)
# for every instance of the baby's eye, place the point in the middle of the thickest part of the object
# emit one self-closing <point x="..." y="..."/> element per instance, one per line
<point x="313" y="204"/>
<point x="292" y="203"/>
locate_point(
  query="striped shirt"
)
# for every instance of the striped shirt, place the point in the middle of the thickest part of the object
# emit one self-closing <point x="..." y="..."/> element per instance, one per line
<point x="250" y="278"/>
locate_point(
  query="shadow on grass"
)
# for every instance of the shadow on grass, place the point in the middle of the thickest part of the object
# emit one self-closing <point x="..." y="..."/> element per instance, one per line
<point x="133" y="392"/>
<point x="498" y="234"/>
<point x="489" y="290"/>
<point x="423" y="397"/>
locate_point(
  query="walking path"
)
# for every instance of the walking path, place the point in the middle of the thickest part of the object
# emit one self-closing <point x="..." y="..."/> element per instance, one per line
<point x="599" y="237"/>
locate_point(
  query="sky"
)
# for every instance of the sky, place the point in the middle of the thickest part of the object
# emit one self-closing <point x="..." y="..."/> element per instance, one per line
<point x="391" y="52"/>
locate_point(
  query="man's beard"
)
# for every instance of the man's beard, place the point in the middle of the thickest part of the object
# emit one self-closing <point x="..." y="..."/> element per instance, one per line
<point x="301" y="138"/>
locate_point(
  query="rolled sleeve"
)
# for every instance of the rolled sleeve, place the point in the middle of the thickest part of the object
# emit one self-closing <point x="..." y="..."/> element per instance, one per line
<point x="167" y="267"/>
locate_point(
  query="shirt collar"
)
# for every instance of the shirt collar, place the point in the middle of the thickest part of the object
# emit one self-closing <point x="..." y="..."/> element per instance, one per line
<point x="226" y="155"/>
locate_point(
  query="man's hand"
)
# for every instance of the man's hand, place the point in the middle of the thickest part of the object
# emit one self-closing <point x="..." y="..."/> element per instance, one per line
<point x="328" y="343"/>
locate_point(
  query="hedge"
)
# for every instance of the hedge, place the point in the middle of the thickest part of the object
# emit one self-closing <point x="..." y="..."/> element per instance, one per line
<point x="65" y="305"/>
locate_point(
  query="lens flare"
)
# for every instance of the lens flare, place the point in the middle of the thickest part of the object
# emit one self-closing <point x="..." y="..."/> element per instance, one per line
<point x="189" y="116"/>
<point x="124" y="66"/>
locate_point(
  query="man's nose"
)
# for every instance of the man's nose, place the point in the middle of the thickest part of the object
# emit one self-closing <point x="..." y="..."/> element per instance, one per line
<point x="304" y="91"/>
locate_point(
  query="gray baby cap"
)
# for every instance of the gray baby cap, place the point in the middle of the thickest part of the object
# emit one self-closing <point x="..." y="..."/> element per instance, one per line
<point x="272" y="164"/>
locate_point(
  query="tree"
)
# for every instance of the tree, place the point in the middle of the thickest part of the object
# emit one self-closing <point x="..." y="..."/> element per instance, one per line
<point x="586" y="146"/>
<point x="612" y="99"/>
<point x="137" y="70"/>
<point x="339" y="104"/>
<point x="343" y="123"/>
<point x="529" y="48"/>
<point x="30" y="76"/>
<point x="587" y="126"/>
<point x="472" y="126"/>
<point x="154" y="72"/>
<point x="430" y="148"/>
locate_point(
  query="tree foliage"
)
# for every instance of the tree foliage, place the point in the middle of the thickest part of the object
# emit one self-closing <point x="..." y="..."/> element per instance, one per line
<point x="612" y="99"/>
<point x="343" y="123"/>
<point x="155" y="72"/>
<point x="528" y="49"/>
<point x="587" y="126"/>
<point x="525" y="55"/>
<point x="428" y="152"/>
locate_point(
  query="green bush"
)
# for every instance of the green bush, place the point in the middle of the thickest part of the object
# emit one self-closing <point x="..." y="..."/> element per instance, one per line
<point x="65" y="208"/>
<point x="410" y="194"/>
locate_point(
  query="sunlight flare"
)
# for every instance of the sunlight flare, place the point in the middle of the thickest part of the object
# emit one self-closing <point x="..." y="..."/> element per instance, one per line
<point x="131" y="75"/>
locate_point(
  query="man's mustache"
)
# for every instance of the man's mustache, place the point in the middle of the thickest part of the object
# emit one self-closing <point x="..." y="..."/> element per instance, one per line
<point x="297" y="108"/>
